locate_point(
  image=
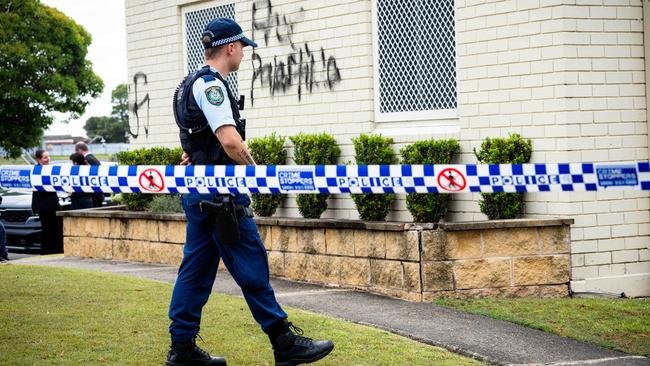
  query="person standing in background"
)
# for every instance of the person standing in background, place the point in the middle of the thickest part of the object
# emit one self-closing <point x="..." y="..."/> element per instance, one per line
<point x="82" y="148"/>
<point x="80" y="200"/>
<point x="46" y="204"/>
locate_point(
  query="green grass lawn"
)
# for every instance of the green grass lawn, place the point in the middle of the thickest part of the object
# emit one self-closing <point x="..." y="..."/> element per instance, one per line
<point x="621" y="324"/>
<point x="71" y="317"/>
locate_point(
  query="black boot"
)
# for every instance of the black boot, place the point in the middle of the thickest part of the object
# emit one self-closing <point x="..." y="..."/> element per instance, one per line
<point x="189" y="354"/>
<point x="290" y="348"/>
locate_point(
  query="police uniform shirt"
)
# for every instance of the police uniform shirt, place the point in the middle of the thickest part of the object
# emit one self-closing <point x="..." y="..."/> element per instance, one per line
<point x="212" y="98"/>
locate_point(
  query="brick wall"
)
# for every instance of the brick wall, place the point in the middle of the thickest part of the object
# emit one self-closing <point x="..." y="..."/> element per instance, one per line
<point x="606" y="57"/>
<point x="569" y="75"/>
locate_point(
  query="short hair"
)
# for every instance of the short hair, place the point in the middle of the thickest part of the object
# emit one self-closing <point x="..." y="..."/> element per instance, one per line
<point x="78" y="158"/>
<point x="212" y="52"/>
<point x="39" y="154"/>
<point x="81" y="146"/>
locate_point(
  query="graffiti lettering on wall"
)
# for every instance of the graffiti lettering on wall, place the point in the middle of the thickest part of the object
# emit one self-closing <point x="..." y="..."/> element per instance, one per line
<point x="302" y="67"/>
<point x="281" y="25"/>
<point x="137" y="107"/>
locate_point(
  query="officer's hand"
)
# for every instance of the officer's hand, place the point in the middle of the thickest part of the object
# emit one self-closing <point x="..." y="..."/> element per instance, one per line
<point x="185" y="159"/>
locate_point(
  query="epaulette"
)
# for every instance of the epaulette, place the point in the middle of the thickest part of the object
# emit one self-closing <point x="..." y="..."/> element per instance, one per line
<point x="208" y="78"/>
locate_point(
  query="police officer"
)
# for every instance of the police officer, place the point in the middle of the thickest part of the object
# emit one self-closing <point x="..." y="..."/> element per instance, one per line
<point x="82" y="148"/>
<point x="211" y="133"/>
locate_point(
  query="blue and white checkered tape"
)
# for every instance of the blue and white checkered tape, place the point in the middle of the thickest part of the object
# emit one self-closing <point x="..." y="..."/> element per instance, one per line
<point x="330" y="178"/>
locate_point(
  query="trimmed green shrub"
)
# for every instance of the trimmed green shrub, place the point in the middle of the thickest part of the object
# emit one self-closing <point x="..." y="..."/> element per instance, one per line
<point x="312" y="206"/>
<point x="268" y="150"/>
<point x="146" y="156"/>
<point x="373" y="149"/>
<point x="511" y="150"/>
<point x="314" y="149"/>
<point x="429" y="207"/>
<point x="502" y="205"/>
<point x="166" y="203"/>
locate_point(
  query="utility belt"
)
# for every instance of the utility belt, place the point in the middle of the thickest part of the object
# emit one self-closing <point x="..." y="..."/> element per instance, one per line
<point x="225" y="216"/>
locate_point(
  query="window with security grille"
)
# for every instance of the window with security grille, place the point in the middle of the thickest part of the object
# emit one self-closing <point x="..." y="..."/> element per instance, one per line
<point x="195" y="22"/>
<point x="416" y="56"/>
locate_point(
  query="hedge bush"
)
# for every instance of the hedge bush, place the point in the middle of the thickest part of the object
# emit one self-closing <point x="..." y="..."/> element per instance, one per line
<point x="429" y="207"/>
<point x="314" y="149"/>
<point x="146" y="156"/>
<point x="511" y="150"/>
<point x="373" y="149"/>
<point x="268" y="150"/>
<point x="166" y="203"/>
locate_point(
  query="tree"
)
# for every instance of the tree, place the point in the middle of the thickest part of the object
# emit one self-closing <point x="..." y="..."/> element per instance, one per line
<point x="110" y="128"/>
<point x="43" y="68"/>
<point x="115" y="127"/>
<point x="120" y="100"/>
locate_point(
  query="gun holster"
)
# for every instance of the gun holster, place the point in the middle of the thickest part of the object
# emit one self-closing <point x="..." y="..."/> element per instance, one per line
<point x="223" y="213"/>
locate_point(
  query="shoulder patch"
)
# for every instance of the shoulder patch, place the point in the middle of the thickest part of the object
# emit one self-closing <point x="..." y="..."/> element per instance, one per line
<point x="214" y="95"/>
<point x="207" y="78"/>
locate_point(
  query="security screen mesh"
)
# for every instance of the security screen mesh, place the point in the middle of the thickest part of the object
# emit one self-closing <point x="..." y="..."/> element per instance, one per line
<point x="195" y="22"/>
<point x="417" y="55"/>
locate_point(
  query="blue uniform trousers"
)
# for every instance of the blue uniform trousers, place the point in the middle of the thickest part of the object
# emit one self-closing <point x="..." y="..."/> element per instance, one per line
<point x="246" y="261"/>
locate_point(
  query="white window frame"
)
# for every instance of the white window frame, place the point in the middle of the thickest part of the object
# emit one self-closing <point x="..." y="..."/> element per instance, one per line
<point x="439" y="114"/>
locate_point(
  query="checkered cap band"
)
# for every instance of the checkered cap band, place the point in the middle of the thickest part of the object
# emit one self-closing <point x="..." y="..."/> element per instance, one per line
<point x="220" y="42"/>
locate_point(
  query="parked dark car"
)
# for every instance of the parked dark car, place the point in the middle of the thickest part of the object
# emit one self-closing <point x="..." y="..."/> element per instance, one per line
<point x="23" y="227"/>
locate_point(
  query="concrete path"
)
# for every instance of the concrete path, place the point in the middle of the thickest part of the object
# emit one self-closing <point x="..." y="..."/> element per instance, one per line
<point x="476" y="336"/>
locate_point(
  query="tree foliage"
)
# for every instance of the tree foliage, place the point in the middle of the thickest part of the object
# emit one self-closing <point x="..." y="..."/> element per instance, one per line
<point x="120" y="101"/>
<point x="43" y="68"/>
<point x="111" y="129"/>
<point x="115" y="127"/>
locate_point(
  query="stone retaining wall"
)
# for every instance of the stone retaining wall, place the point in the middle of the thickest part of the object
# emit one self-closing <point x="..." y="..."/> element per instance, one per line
<point x="122" y="235"/>
<point x="526" y="257"/>
<point x="384" y="259"/>
<point x="464" y="260"/>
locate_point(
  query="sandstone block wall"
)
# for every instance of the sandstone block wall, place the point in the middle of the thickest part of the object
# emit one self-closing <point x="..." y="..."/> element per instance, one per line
<point x="124" y="238"/>
<point x="510" y="258"/>
<point x="379" y="261"/>
<point x="527" y="261"/>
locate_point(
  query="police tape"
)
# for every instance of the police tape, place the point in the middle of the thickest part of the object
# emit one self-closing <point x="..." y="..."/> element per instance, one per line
<point x="330" y="178"/>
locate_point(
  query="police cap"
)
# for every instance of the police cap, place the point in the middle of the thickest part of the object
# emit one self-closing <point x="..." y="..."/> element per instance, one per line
<point x="222" y="31"/>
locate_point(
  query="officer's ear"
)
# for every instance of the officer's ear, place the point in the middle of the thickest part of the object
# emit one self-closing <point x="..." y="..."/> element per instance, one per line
<point x="231" y="48"/>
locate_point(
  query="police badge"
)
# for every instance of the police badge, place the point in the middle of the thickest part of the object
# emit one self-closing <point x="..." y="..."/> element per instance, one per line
<point x="214" y="95"/>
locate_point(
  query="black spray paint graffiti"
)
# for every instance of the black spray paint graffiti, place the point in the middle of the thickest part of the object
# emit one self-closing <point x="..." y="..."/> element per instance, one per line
<point x="302" y="67"/>
<point x="282" y="25"/>
<point x="137" y="106"/>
